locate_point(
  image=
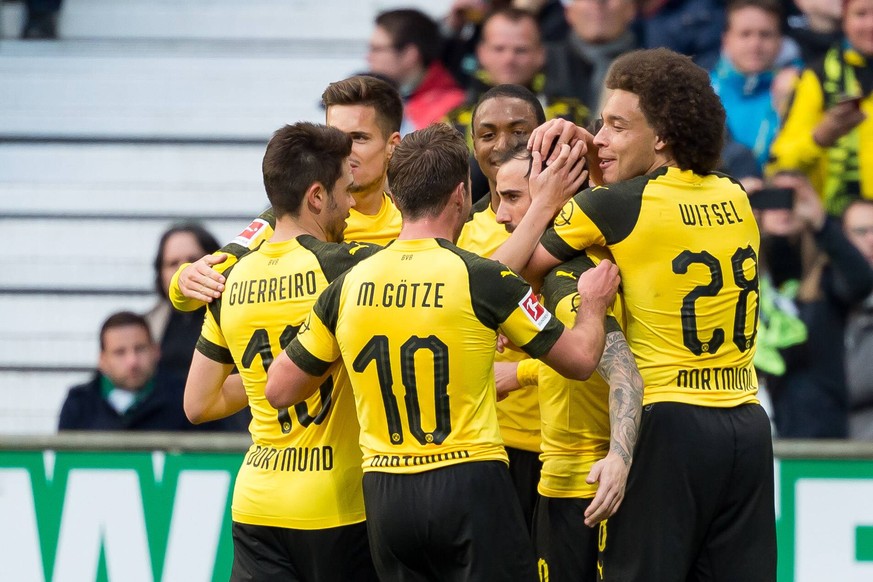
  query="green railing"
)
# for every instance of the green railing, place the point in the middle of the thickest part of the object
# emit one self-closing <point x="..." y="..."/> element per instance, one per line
<point x="156" y="508"/>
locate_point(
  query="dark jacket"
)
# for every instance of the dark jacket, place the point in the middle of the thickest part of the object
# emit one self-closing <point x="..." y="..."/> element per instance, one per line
<point x="811" y="400"/>
<point x="85" y="408"/>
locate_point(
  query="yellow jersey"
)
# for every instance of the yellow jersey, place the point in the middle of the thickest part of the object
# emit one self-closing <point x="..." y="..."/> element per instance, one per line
<point x="687" y="249"/>
<point x="416" y="326"/>
<point x="303" y="468"/>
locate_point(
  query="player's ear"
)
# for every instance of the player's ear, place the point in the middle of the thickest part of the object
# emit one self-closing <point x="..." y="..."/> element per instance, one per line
<point x="393" y="142"/>
<point x="459" y="196"/>
<point x="315" y="196"/>
<point x="660" y="144"/>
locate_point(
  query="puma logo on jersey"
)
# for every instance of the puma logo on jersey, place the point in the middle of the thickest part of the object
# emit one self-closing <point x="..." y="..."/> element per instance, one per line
<point x="356" y="248"/>
<point x="565" y="274"/>
<point x="507" y="273"/>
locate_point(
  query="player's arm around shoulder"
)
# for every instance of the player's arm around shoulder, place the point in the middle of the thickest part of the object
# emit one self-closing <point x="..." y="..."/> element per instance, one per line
<point x="577" y="351"/>
<point x="202" y="281"/>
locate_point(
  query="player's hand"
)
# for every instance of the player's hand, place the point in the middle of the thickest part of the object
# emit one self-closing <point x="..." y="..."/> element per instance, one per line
<point x="597" y="287"/>
<point x="504" y="343"/>
<point x="610" y="473"/>
<point x="506" y="378"/>
<point x="200" y="281"/>
<point x="557" y="132"/>
<point x="554" y="185"/>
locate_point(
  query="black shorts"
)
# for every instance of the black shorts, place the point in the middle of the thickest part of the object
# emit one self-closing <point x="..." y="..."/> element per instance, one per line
<point x="699" y="502"/>
<point x="265" y="554"/>
<point x="460" y="522"/>
<point x="566" y="547"/>
<point x="524" y="469"/>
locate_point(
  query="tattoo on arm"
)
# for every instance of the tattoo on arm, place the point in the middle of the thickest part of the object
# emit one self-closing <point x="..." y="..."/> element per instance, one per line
<point x="618" y="367"/>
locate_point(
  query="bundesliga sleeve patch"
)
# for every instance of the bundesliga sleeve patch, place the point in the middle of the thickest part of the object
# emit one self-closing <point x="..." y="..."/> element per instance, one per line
<point x="534" y="310"/>
<point x="245" y="237"/>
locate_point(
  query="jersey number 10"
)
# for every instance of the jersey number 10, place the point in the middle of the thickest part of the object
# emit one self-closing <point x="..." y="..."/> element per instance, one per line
<point x="377" y="350"/>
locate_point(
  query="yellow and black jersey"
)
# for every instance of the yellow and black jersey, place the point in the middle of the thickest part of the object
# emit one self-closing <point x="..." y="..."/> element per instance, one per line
<point x="575" y="415"/>
<point x="518" y="415"/>
<point x="687" y="249"/>
<point x="416" y="326"/>
<point x="844" y="171"/>
<point x="380" y="228"/>
<point x="303" y="468"/>
<point x="482" y="234"/>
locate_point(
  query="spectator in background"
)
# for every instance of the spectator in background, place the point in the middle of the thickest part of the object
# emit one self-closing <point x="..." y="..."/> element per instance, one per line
<point x="858" y="227"/>
<point x="690" y="27"/>
<point x="829" y="127"/>
<point x="176" y="332"/>
<point x="41" y="20"/>
<point x="129" y="391"/>
<point x="405" y="47"/>
<point x="550" y="17"/>
<point x="600" y="31"/>
<point x="462" y="28"/>
<point x="807" y="260"/>
<point x="511" y="52"/>
<point x="126" y="393"/>
<point x="743" y="77"/>
<point x="816" y="29"/>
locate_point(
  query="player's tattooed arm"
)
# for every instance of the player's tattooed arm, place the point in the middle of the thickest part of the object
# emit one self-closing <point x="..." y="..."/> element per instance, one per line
<point x="618" y="367"/>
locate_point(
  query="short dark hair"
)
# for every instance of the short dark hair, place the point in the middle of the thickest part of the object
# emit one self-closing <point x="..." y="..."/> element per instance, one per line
<point x="512" y="14"/>
<point x="678" y="101"/>
<point x="204" y="238"/>
<point x="425" y="168"/>
<point x="772" y="7"/>
<point x="298" y="156"/>
<point x="372" y="92"/>
<point x="123" y="319"/>
<point x="408" y="26"/>
<point x="519" y="152"/>
<point x="512" y="92"/>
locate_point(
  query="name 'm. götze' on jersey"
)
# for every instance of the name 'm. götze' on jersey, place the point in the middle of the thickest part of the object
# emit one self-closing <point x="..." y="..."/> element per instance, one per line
<point x="402" y="294"/>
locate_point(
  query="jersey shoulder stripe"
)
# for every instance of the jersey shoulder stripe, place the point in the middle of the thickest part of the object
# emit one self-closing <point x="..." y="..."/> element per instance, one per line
<point x="241" y="245"/>
<point x="495" y="289"/>
<point x="615" y="209"/>
<point x="561" y="282"/>
<point x="215" y="306"/>
<point x="214" y="352"/>
<point x="337" y="258"/>
<point x="481" y="205"/>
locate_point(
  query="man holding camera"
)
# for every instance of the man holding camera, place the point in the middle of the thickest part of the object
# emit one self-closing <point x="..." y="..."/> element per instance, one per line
<point x="815" y="276"/>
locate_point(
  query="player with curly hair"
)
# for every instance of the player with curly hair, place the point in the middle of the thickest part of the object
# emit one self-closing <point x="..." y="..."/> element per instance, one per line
<point x="699" y="497"/>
